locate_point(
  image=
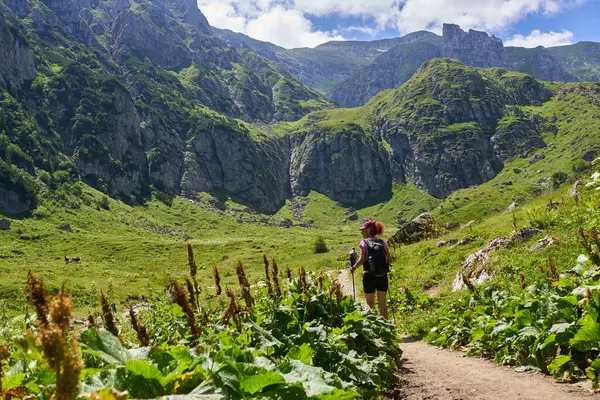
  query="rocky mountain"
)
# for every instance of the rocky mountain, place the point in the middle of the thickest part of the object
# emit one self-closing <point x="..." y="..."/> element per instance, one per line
<point x="448" y="127"/>
<point x="325" y="65"/>
<point x="139" y="97"/>
<point x="540" y="63"/>
<point x="581" y="60"/>
<point x="390" y="70"/>
<point x="122" y="92"/>
<point x="473" y="48"/>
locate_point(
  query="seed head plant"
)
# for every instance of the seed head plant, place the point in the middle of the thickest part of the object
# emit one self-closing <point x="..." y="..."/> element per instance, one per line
<point x="60" y="348"/>
<point x="591" y="243"/>
<point x="319" y="280"/>
<point x="302" y="276"/>
<point x="244" y="284"/>
<point x="191" y="291"/>
<point x="267" y="277"/>
<point x="140" y="329"/>
<point x="181" y="299"/>
<point x="37" y="296"/>
<point x="4" y="354"/>
<point x="107" y="315"/>
<point x="217" y="279"/>
<point x="276" y="278"/>
<point x="232" y="311"/>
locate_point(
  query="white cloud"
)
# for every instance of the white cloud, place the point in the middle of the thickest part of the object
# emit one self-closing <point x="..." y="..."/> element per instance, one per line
<point x="287" y="28"/>
<point x="287" y="23"/>
<point x="537" y="38"/>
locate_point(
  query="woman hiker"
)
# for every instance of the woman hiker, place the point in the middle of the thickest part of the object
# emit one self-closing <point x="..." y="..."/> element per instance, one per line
<point x="375" y="260"/>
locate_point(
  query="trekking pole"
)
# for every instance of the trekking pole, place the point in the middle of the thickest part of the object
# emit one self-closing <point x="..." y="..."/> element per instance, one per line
<point x="392" y="306"/>
<point x="353" y="287"/>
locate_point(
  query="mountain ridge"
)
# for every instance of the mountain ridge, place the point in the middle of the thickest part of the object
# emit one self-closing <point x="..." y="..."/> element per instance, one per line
<point x="143" y="103"/>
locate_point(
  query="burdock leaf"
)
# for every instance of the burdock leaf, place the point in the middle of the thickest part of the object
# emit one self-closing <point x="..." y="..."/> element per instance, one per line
<point x="587" y="338"/>
<point x="101" y="343"/>
<point x="255" y="383"/>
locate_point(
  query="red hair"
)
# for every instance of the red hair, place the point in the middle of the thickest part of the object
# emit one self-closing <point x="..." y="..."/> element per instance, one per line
<point x="378" y="228"/>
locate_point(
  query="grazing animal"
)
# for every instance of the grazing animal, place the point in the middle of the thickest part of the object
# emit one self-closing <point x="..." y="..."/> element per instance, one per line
<point x="72" y="260"/>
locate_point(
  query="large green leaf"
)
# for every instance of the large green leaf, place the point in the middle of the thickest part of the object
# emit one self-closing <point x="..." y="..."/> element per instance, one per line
<point x="557" y="363"/>
<point x="523" y="317"/>
<point x="255" y="383"/>
<point x="311" y="378"/>
<point x="105" y="345"/>
<point x="587" y="338"/>
<point x="304" y="353"/>
<point x="12" y="381"/>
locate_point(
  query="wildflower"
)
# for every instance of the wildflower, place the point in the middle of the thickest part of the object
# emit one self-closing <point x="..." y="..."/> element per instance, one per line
<point x="140" y="329"/>
<point x="267" y="277"/>
<point x="244" y="284"/>
<point x="37" y="296"/>
<point x="181" y="299"/>
<point x="107" y="315"/>
<point x="217" y="279"/>
<point x="276" y="278"/>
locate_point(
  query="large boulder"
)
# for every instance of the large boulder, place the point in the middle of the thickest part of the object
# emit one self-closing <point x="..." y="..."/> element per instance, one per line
<point x="421" y="227"/>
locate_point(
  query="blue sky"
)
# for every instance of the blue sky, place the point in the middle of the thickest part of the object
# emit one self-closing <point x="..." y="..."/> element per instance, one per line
<point x="300" y="23"/>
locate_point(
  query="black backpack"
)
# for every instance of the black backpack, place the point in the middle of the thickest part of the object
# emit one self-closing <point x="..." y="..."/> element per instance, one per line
<point x="377" y="262"/>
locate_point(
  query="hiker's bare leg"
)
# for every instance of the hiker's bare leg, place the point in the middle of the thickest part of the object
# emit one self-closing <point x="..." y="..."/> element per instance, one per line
<point x="370" y="300"/>
<point x="382" y="302"/>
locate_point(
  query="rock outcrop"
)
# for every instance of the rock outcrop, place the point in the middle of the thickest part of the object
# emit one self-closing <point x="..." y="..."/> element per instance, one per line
<point x="539" y="63"/>
<point x="473" y="48"/>
<point x="448" y="127"/>
<point x="388" y="71"/>
<point x="345" y="165"/>
<point x="220" y="159"/>
<point x="16" y="61"/>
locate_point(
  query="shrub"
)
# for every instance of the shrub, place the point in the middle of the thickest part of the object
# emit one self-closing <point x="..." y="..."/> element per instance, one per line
<point x="104" y="202"/>
<point x="320" y="245"/>
<point x="559" y="178"/>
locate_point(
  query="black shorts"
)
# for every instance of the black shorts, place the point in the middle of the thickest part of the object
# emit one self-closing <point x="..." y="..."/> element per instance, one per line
<point x="372" y="283"/>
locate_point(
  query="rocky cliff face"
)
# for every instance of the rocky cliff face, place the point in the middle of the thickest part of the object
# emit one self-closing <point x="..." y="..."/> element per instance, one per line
<point x="581" y="60"/>
<point x="16" y="60"/>
<point x="389" y="71"/>
<point x="133" y="100"/>
<point x="448" y="128"/>
<point x="154" y="100"/>
<point x="222" y="159"/>
<point x="473" y="48"/>
<point x="346" y="164"/>
<point x="539" y="63"/>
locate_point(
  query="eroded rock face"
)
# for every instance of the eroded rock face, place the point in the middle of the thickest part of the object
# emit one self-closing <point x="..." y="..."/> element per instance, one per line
<point x="219" y="159"/>
<point x="388" y="71"/>
<point x="539" y="63"/>
<point x="69" y="14"/>
<point x="473" y="48"/>
<point x="16" y="61"/>
<point x="517" y="134"/>
<point x="13" y="202"/>
<point x="346" y="165"/>
<point x="140" y="36"/>
<point x="449" y="127"/>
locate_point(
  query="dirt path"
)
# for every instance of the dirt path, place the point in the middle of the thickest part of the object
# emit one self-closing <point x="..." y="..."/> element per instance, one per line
<point x="433" y="374"/>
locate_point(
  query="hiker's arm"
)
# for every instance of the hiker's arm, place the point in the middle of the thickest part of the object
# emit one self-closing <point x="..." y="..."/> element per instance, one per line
<point x="360" y="261"/>
<point x="389" y="256"/>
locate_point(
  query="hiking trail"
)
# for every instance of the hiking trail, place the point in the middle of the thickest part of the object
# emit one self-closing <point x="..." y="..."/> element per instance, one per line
<point x="429" y="373"/>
